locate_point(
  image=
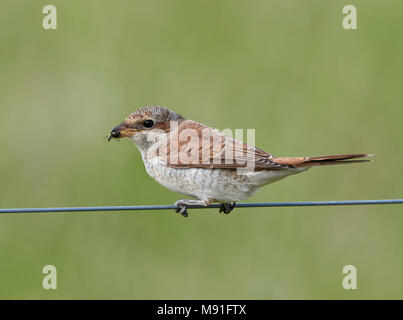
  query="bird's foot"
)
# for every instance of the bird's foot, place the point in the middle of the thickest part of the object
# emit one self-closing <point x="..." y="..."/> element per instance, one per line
<point x="182" y="205"/>
<point x="181" y="208"/>
<point x="227" y="207"/>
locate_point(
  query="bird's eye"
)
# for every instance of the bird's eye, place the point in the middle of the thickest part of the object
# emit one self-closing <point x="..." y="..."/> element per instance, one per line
<point x="148" y="123"/>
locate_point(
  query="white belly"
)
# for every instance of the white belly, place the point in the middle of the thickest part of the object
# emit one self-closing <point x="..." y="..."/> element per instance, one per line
<point x="222" y="185"/>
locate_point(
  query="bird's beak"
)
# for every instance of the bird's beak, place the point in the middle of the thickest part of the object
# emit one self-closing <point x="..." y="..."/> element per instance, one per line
<point x="121" y="131"/>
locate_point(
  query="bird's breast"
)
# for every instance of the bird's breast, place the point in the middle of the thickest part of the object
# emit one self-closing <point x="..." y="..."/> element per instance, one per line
<point x="220" y="184"/>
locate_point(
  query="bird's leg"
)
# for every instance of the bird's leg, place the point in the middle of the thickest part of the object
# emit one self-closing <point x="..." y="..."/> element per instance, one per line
<point x="227" y="207"/>
<point x="183" y="203"/>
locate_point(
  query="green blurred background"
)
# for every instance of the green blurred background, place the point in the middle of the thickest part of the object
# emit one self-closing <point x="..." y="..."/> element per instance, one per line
<point x="286" y="68"/>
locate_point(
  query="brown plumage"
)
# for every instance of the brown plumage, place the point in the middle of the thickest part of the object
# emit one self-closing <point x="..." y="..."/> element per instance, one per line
<point x="190" y="150"/>
<point x="299" y="162"/>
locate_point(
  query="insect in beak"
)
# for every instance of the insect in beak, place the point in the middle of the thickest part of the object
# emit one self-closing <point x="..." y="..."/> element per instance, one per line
<point x="121" y="131"/>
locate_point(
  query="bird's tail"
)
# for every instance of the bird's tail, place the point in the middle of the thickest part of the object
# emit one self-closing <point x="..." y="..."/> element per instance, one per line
<point x="306" y="162"/>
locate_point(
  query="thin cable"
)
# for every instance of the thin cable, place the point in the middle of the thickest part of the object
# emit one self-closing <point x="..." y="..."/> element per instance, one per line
<point x="170" y="207"/>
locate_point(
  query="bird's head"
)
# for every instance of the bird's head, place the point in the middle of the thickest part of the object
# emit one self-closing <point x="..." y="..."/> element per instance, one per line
<point x="144" y="124"/>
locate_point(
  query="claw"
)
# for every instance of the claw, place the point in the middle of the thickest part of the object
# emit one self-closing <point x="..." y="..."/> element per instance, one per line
<point x="227" y="207"/>
<point x="181" y="208"/>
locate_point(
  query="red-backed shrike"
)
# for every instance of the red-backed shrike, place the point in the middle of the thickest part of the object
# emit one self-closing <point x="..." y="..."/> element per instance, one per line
<point x="195" y="160"/>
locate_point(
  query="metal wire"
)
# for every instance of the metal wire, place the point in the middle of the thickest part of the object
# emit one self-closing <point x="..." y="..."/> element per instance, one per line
<point x="170" y="207"/>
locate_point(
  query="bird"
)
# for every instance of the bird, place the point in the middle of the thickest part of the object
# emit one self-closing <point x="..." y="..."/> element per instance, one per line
<point x="202" y="162"/>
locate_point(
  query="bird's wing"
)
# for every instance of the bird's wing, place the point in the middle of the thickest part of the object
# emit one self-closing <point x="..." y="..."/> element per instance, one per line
<point x="194" y="145"/>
